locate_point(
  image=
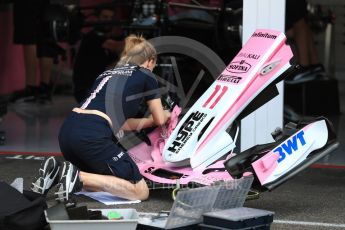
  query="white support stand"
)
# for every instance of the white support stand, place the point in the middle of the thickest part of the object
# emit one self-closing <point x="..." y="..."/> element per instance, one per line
<point x="256" y="128"/>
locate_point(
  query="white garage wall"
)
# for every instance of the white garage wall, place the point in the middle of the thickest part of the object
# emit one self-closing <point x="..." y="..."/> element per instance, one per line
<point x="257" y="127"/>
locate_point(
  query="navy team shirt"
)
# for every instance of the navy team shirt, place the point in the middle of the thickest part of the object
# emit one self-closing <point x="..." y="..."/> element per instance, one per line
<point x="120" y="91"/>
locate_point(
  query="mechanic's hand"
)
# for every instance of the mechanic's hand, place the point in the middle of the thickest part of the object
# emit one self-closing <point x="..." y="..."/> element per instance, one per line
<point x="167" y="115"/>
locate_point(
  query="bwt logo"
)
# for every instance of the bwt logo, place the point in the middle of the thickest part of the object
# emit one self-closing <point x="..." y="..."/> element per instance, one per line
<point x="290" y="146"/>
<point x="239" y="67"/>
<point x="187" y="129"/>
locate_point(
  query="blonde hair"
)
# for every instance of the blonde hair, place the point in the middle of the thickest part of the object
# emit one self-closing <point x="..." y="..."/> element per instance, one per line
<point x="137" y="50"/>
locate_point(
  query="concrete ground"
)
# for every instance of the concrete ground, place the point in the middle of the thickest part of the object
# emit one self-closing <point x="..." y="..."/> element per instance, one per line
<point x="315" y="199"/>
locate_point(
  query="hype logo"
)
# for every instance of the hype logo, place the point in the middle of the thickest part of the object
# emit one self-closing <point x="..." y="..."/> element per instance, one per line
<point x="290" y="146"/>
<point x="186" y="131"/>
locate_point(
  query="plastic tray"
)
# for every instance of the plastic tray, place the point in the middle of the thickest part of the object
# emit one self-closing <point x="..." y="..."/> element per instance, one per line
<point x="129" y="222"/>
<point x="232" y="194"/>
<point x="238" y="218"/>
<point x="191" y="204"/>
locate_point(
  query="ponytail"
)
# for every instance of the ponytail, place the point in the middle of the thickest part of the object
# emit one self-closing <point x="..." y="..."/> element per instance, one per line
<point x="137" y="50"/>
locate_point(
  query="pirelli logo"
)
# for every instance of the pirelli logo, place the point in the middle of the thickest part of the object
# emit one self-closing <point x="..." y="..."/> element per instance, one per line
<point x="229" y="78"/>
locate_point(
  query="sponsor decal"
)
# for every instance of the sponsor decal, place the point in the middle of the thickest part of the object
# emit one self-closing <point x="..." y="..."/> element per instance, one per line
<point x="124" y="71"/>
<point x="264" y="35"/>
<point x="116" y="158"/>
<point x="290" y="146"/>
<point x="249" y="56"/>
<point x="186" y="131"/>
<point x="239" y="67"/>
<point x="120" y="134"/>
<point x="229" y="78"/>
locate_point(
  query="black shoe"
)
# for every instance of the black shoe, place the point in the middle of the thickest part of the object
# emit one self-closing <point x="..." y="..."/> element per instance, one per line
<point x="29" y="94"/>
<point x="45" y="93"/>
<point x="69" y="183"/>
<point x="48" y="176"/>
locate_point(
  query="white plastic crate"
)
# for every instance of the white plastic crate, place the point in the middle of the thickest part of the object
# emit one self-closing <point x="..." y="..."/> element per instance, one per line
<point x="129" y="222"/>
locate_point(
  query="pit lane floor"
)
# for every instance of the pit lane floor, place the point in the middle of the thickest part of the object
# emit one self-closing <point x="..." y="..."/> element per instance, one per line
<point x="314" y="199"/>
